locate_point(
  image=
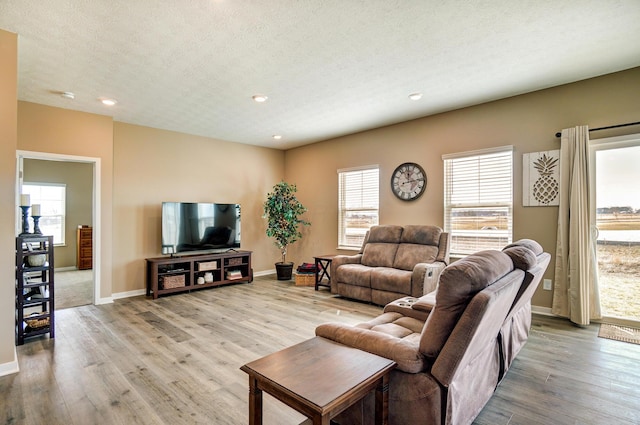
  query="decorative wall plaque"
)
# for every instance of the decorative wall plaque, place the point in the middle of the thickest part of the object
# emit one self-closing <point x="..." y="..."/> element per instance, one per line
<point x="540" y="179"/>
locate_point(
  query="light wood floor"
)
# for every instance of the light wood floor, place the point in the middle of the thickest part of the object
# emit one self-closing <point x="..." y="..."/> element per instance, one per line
<point x="176" y="361"/>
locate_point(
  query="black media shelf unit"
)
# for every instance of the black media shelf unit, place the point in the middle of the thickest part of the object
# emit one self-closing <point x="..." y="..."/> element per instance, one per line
<point x="169" y="275"/>
<point x="35" y="309"/>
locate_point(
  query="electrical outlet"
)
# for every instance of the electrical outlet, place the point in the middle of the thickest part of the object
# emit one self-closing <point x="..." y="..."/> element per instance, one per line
<point x="546" y="284"/>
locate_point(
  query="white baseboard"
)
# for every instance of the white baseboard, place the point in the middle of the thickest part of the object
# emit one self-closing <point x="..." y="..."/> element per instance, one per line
<point x="543" y="311"/>
<point x="105" y="300"/>
<point x="10" y="367"/>
<point x="264" y="273"/>
<point x="127" y="294"/>
<point x="65" y="269"/>
<point x="138" y="292"/>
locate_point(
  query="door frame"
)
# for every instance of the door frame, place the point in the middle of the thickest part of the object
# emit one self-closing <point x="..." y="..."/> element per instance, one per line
<point x="96" y="202"/>
<point x="595" y="145"/>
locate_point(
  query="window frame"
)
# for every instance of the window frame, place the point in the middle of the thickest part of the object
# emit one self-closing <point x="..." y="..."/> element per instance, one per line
<point x="343" y="210"/>
<point x="494" y="238"/>
<point x="36" y="199"/>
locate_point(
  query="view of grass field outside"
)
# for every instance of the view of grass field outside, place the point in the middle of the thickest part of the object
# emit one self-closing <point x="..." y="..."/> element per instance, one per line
<point x="618" y="222"/>
<point x="474" y="229"/>
<point x="357" y="224"/>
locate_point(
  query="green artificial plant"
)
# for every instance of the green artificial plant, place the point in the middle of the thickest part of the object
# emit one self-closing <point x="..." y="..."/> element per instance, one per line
<point x="282" y="211"/>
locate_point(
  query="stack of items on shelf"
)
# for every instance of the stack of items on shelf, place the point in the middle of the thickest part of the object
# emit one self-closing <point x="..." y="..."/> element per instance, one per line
<point x="234" y="274"/>
<point x="306" y="274"/>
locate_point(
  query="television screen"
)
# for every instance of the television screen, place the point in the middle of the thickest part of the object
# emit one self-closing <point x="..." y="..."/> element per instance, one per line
<point x="190" y="226"/>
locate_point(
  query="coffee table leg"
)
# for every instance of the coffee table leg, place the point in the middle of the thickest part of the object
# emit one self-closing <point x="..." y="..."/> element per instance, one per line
<point x="255" y="402"/>
<point x="382" y="400"/>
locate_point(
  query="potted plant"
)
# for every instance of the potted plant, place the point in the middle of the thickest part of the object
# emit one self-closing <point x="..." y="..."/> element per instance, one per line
<point x="282" y="211"/>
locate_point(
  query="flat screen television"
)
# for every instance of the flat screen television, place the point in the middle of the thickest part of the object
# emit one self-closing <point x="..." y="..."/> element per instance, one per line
<point x="189" y="227"/>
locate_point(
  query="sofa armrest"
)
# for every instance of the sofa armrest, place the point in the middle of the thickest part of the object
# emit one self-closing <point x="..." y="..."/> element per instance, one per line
<point x="404" y="353"/>
<point x="425" y="303"/>
<point x="338" y="261"/>
<point x="425" y="278"/>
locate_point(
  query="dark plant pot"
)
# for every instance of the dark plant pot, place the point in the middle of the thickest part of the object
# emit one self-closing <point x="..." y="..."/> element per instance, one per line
<point x="284" y="271"/>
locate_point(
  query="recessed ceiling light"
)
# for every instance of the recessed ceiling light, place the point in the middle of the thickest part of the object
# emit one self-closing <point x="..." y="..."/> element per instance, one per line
<point x="259" y="98"/>
<point x="415" y="96"/>
<point x="108" y="102"/>
<point x="68" y="95"/>
<point x="277" y="136"/>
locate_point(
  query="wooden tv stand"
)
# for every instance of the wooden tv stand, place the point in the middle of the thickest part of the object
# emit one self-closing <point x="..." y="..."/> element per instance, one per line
<point x="168" y="275"/>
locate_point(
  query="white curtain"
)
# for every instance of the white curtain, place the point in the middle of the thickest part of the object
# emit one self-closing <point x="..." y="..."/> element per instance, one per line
<point x="576" y="278"/>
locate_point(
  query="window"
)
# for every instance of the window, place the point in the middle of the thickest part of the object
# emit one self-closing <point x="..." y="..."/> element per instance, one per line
<point x="478" y="204"/>
<point x="358" y="190"/>
<point x="52" y="198"/>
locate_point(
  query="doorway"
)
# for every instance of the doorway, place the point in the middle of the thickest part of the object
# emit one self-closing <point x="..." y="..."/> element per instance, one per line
<point x="90" y="277"/>
<point x="617" y="207"/>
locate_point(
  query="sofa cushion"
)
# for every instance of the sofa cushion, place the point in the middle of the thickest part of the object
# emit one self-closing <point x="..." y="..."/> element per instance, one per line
<point x="527" y="243"/>
<point x="354" y="274"/>
<point x="385" y="233"/>
<point x="458" y="284"/>
<point x="392" y="280"/>
<point x="523" y="258"/>
<point x="379" y="254"/>
<point x="418" y="244"/>
<point x="389" y="335"/>
<point x="381" y="246"/>
<point x="380" y="297"/>
<point x="362" y="293"/>
<point x="401" y="328"/>
<point x="410" y="254"/>
<point x="421" y="234"/>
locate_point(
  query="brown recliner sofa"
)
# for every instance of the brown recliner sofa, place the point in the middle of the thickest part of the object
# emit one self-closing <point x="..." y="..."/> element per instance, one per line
<point x="450" y="364"/>
<point x="394" y="261"/>
<point x="516" y="326"/>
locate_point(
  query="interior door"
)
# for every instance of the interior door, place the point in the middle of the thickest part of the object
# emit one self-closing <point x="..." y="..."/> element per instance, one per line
<point x="616" y="190"/>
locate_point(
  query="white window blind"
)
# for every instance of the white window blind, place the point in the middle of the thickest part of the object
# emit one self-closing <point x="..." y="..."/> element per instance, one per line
<point x="358" y="201"/>
<point x="478" y="203"/>
<point x="52" y="200"/>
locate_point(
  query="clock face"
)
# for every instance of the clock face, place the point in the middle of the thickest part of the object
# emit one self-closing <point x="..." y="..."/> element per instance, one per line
<point x="408" y="181"/>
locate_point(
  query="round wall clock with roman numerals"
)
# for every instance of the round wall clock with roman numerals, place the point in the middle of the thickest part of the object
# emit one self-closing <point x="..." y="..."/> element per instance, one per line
<point x="408" y="181"/>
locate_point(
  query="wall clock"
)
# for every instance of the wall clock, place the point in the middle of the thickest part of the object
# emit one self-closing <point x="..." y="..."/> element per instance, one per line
<point x="408" y="181"/>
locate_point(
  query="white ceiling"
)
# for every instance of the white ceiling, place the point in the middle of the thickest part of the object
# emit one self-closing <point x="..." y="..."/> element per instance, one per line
<point x="329" y="67"/>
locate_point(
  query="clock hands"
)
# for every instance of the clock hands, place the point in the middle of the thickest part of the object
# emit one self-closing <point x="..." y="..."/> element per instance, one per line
<point x="413" y="180"/>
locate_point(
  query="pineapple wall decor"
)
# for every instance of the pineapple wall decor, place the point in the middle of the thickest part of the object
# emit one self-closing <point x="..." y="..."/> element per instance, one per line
<point x="540" y="178"/>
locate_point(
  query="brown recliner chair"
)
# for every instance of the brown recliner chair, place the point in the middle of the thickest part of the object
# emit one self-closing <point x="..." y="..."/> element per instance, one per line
<point x="515" y="329"/>
<point x="450" y="364"/>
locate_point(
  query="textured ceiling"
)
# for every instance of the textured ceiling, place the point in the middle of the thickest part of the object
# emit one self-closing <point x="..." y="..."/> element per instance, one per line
<point x="329" y="67"/>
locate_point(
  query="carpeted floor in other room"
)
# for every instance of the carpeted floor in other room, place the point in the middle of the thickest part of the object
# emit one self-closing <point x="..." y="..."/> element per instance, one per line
<point x="73" y="288"/>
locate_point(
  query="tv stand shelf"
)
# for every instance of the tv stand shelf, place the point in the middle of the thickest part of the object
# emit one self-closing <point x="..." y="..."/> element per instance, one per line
<point x="168" y="275"/>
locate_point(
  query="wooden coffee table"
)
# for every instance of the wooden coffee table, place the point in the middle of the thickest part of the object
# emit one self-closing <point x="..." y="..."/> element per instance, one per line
<point x="319" y="378"/>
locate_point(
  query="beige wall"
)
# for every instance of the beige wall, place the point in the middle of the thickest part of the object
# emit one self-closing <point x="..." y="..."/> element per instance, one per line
<point x="78" y="179"/>
<point x="528" y="122"/>
<point x="152" y="166"/>
<point x="65" y="132"/>
<point x="8" y="211"/>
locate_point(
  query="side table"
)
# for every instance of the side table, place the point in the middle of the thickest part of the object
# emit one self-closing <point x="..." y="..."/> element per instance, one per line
<point x="319" y="378"/>
<point x="323" y="266"/>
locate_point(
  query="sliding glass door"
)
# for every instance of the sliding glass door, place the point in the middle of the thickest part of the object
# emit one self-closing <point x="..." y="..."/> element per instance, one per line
<point x="616" y="191"/>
